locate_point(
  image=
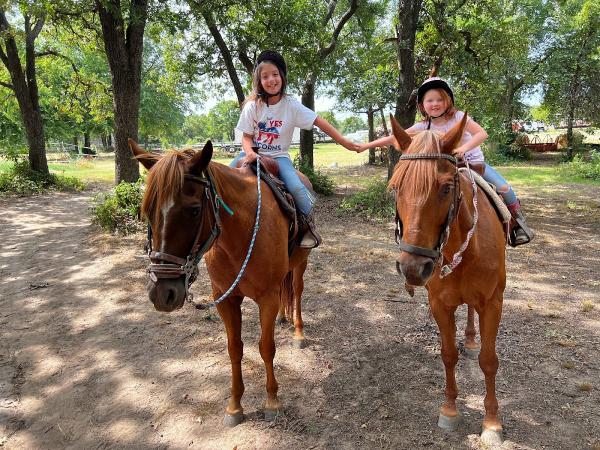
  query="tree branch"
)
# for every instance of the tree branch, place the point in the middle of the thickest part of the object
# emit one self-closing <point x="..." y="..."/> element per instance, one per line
<point x="6" y="85"/>
<point x="324" y="52"/>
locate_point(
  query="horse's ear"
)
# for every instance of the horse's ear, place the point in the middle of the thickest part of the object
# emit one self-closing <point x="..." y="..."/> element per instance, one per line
<point x="403" y="140"/>
<point x="200" y="160"/>
<point x="146" y="159"/>
<point x="453" y="136"/>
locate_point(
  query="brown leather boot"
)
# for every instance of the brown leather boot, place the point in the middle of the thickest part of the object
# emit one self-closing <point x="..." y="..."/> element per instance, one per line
<point x="309" y="238"/>
<point x="520" y="233"/>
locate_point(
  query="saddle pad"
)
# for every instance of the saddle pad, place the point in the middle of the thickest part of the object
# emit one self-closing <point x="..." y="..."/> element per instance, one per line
<point x="490" y="191"/>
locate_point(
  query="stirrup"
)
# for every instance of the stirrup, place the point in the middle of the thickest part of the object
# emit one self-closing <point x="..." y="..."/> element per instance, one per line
<point x="309" y="240"/>
<point x="521" y="233"/>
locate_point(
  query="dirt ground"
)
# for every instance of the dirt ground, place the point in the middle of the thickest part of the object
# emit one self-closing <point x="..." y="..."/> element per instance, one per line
<point x="87" y="363"/>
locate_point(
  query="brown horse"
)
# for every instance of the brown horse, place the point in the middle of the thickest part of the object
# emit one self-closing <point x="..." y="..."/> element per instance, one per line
<point x="438" y="220"/>
<point x="186" y="202"/>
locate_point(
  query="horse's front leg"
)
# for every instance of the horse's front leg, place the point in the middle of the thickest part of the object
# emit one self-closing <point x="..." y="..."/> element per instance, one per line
<point x="268" y="308"/>
<point x="231" y="314"/>
<point x="489" y="320"/>
<point x="471" y="345"/>
<point x="444" y="316"/>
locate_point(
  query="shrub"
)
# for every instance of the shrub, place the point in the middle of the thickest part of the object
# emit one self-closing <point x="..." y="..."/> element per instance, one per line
<point x="118" y="211"/>
<point x="22" y="180"/>
<point x="585" y="168"/>
<point x="376" y="201"/>
<point x="321" y="183"/>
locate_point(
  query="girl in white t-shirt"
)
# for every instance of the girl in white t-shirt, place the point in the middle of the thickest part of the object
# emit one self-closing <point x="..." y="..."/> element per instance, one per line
<point x="435" y="100"/>
<point x="268" y="120"/>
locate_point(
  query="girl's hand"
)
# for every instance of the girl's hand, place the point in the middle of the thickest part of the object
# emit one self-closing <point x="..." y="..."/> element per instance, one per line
<point x="250" y="157"/>
<point x="459" y="152"/>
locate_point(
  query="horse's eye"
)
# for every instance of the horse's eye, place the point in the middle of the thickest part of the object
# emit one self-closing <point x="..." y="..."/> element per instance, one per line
<point x="446" y="189"/>
<point x="195" y="212"/>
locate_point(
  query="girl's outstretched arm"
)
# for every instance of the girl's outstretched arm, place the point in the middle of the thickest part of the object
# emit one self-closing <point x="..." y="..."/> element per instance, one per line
<point x="326" y="127"/>
<point x="478" y="135"/>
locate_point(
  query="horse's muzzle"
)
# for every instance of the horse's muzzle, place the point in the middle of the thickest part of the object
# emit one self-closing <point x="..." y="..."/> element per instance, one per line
<point x="167" y="294"/>
<point x="416" y="269"/>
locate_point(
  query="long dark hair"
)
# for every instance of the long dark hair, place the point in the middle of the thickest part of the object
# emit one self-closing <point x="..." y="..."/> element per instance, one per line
<point x="258" y="93"/>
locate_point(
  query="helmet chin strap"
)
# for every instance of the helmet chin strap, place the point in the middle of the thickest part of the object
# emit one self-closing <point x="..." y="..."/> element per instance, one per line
<point x="435" y="117"/>
<point x="266" y="96"/>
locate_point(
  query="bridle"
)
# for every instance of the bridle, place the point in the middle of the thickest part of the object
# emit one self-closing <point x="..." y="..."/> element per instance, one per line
<point x="165" y="265"/>
<point x="436" y="253"/>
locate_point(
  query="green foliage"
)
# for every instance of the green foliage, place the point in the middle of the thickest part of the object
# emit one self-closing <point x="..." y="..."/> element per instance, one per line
<point x="118" y="211"/>
<point x="22" y="180"/>
<point x="218" y="125"/>
<point x="352" y="124"/>
<point x="330" y="117"/>
<point x="508" y="149"/>
<point x="375" y="202"/>
<point x="580" y="167"/>
<point x="321" y="183"/>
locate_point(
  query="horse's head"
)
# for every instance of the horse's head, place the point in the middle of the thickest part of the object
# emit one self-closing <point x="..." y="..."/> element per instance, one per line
<point x="427" y="197"/>
<point x="178" y="205"/>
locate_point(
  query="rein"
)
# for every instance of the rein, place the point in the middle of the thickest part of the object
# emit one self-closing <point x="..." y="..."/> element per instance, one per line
<point x="174" y="266"/>
<point x="437" y="252"/>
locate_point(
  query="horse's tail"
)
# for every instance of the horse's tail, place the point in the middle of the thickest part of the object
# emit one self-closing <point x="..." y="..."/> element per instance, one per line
<point x="286" y="295"/>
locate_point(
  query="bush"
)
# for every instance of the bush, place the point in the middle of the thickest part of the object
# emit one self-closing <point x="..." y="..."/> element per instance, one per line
<point x="22" y="180"/>
<point x="119" y="210"/>
<point x="376" y="201"/>
<point x="321" y="183"/>
<point x="580" y="167"/>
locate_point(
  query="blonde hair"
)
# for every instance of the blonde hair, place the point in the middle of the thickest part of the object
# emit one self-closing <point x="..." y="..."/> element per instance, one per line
<point x="416" y="177"/>
<point x="450" y="109"/>
<point x="257" y="89"/>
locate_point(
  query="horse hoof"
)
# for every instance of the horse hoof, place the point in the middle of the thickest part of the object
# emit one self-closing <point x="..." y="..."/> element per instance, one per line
<point x="491" y="438"/>
<point x="448" y="423"/>
<point x="472" y="353"/>
<point x="231" y="420"/>
<point x="271" y="414"/>
<point x="300" y="343"/>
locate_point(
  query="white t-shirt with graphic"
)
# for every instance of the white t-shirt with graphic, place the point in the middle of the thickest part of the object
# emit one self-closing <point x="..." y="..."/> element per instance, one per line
<point x="473" y="155"/>
<point x="273" y="126"/>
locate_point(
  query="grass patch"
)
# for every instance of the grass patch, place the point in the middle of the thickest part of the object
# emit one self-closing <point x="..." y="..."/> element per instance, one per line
<point x="19" y="179"/>
<point x="540" y="176"/>
<point x="118" y="211"/>
<point x="568" y="365"/>
<point x="375" y="202"/>
<point x="587" y="306"/>
<point x="587" y="387"/>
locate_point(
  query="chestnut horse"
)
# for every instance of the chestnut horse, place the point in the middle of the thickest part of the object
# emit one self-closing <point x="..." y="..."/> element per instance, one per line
<point x="195" y="206"/>
<point x="440" y="218"/>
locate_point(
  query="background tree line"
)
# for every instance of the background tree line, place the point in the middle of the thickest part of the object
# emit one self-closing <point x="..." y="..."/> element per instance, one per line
<point x="73" y="69"/>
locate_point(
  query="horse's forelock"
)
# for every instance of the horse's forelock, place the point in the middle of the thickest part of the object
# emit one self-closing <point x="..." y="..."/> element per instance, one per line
<point x="164" y="182"/>
<point x="415" y="178"/>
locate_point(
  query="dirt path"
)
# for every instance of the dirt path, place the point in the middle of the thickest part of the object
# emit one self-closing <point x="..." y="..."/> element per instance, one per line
<point x="85" y="361"/>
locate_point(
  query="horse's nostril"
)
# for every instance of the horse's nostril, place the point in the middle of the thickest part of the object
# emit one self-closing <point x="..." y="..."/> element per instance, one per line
<point x="171" y="296"/>
<point x="427" y="270"/>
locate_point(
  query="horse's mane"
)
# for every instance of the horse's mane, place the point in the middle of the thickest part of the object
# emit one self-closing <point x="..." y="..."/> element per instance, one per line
<point x="164" y="182"/>
<point x="416" y="177"/>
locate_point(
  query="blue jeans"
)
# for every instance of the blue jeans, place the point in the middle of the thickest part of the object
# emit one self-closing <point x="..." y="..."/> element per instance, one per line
<point x="287" y="173"/>
<point x="502" y="187"/>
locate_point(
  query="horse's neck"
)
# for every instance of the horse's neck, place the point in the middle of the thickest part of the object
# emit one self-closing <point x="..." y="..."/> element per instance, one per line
<point x="232" y="186"/>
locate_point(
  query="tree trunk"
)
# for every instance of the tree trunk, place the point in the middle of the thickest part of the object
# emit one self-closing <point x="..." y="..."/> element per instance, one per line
<point x="306" y="136"/>
<point x="24" y="85"/>
<point x="86" y="140"/>
<point x="371" y="122"/>
<point x="226" y="55"/>
<point x="124" y="45"/>
<point x="76" y="143"/>
<point x="406" y="107"/>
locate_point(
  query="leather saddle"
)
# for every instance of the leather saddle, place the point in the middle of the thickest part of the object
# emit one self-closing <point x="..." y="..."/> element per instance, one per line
<point x="269" y="174"/>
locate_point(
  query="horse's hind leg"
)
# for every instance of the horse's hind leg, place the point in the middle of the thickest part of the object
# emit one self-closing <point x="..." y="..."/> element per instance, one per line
<point x="298" y="284"/>
<point x="471" y="346"/>
<point x="268" y="308"/>
<point x="444" y="316"/>
<point x="489" y="320"/>
<point x="231" y="314"/>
